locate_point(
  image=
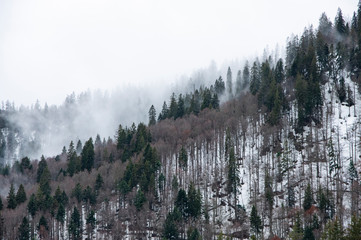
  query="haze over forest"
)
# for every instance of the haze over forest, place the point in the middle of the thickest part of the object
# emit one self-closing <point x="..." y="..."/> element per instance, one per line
<point x="253" y="140"/>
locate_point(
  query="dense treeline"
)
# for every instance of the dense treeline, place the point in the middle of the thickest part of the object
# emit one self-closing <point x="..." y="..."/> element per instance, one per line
<point x="270" y="162"/>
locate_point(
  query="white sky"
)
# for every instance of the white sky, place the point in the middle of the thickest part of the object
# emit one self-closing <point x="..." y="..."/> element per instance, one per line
<point x="50" y="48"/>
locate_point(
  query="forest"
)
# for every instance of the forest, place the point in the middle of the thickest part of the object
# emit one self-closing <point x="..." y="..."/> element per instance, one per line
<point x="268" y="151"/>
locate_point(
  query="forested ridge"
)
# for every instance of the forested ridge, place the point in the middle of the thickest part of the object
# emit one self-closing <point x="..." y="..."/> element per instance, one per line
<point x="269" y="151"/>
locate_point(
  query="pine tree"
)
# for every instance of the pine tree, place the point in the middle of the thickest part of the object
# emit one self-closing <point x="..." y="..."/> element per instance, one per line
<point x="275" y="114"/>
<point x="180" y="107"/>
<point x="233" y="174"/>
<point x="24" y="230"/>
<point x="43" y="224"/>
<point x="164" y="113"/>
<point x="91" y="221"/>
<point x="75" y="225"/>
<point x="41" y="166"/>
<point x="246" y="76"/>
<point x="297" y="230"/>
<point x="152" y="116"/>
<point x="255" y="79"/>
<point x="333" y="231"/>
<point x="340" y="23"/>
<point x="173" y="107"/>
<point x="207" y="99"/>
<point x="98" y="182"/>
<point x="256" y="223"/>
<point x="229" y="82"/>
<point x="352" y="171"/>
<point x="219" y="86"/>
<point x="193" y="234"/>
<point x="308" y="234"/>
<point x="20" y="195"/>
<point x="44" y="183"/>
<point x="239" y="82"/>
<point x="32" y="205"/>
<point x="279" y="71"/>
<point x="291" y="200"/>
<point x="182" y="203"/>
<point x="60" y="215"/>
<point x="139" y="200"/>
<point x="194" y="202"/>
<point x="57" y="195"/>
<point x="354" y="229"/>
<point x="11" y="198"/>
<point x="87" y="155"/>
<point x="333" y="163"/>
<point x="215" y="101"/>
<point x="77" y="192"/>
<point x="183" y="158"/>
<point x="89" y="196"/>
<point x="307" y="202"/>
<point x="170" y="228"/>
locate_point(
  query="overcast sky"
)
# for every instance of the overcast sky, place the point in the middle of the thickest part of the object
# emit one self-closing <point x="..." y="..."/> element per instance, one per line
<point x="50" y="48"/>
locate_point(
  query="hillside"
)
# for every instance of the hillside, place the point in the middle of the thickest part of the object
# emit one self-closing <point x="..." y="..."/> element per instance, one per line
<point x="272" y="152"/>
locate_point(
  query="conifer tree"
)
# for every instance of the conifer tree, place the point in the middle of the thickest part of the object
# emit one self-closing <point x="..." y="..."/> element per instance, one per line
<point x="215" y="101"/>
<point x="77" y="192"/>
<point x="11" y="198"/>
<point x="194" y="205"/>
<point x="60" y="215"/>
<point x="193" y="234"/>
<point x="164" y="113"/>
<point x="152" y="115"/>
<point x="297" y="230"/>
<point x="180" y="107"/>
<point x="183" y="158"/>
<point x="246" y="76"/>
<point x="182" y="203"/>
<point x="219" y="86"/>
<point x="75" y="225"/>
<point x="98" y="182"/>
<point x="233" y="174"/>
<point x="333" y="231"/>
<point x="24" y="230"/>
<point x="229" y="82"/>
<point x="255" y="79"/>
<point x="340" y="23"/>
<point x="139" y="200"/>
<point x="279" y="71"/>
<point x="307" y="203"/>
<point x="91" y="221"/>
<point x="87" y="155"/>
<point x="239" y="82"/>
<point x="173" y="107"/>
<point x="41" y="166"/>
<point x="308" y="234"/>
<point x="20" y="195"/>
<point x="43" y="223"/>
<point x="170" y="228"/>
<point x="256" y="223"/>
<point x="354" y="229"/>
<point x="32" y="205"/>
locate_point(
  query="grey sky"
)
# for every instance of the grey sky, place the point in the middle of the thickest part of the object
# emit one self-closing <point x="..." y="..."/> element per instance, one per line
<point x="50" y="48"/>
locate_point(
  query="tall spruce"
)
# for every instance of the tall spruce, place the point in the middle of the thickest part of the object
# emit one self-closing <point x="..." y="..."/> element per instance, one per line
<point x="11" y="198"/>
<point x="87" y="155"/>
